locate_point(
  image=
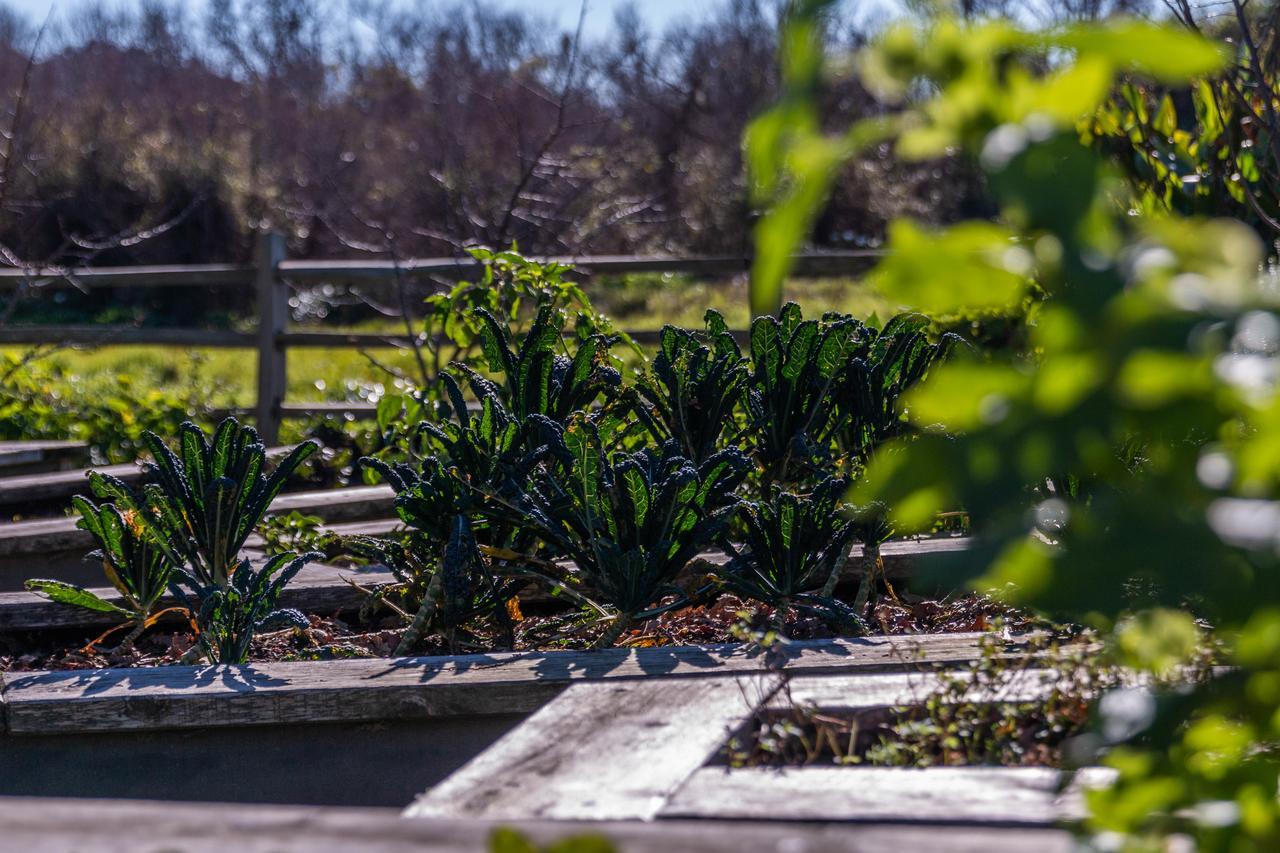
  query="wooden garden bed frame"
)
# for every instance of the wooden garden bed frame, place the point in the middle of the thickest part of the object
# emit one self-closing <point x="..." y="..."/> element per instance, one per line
<point x="350" y="732"/>
<point x="90" y="826"/>
<point x="44" y="486"/>
<point x="325" y="589"/>
<point x="69" y="702"/>
<point x="642" y="750"/>
<point x="34" y="457"/>
<point x="353" y="503"/>
<point x="54" y="547"/>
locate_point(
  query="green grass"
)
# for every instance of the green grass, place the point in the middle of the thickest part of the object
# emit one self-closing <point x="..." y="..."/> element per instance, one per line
<point x="649" y="301"/>
<point x="227" y="377"/>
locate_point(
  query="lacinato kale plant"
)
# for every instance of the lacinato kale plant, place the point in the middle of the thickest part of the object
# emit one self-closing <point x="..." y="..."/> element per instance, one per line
<point x="793" y="417"/>
<point x="793" y="551"/>
<point x="134" y="566"/>
<point x="208" y="497"/>
<point x="228" y="615"/>
<point x="632" y="522"/>
<point x="868" y="394"/>
<point x="537" y="377"/>
<point x="693" y="391"/>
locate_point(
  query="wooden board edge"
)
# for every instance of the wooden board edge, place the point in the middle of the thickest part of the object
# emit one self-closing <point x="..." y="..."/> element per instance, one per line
<point x="98" y="826"/>
<point x="76" y="702"/>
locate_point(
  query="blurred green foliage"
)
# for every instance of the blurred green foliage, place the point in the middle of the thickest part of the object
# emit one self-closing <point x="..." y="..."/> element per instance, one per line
<point x="1107" y="471"/>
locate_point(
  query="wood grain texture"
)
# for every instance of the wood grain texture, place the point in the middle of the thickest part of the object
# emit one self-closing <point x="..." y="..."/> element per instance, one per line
<point x="855" y="692"/>
<point x="319" y="589"/>
<point x="374" y="505"/>
<point x="31" y="457"/>
<point x="404" y="688"/>
<point x="42" y="536"/>
<point x="106" y="826"/>
<point x="600" y="751"/>
<point x="1005" y="796"/>
<point x="140" y="275"/>
<point x="56" y="485"/>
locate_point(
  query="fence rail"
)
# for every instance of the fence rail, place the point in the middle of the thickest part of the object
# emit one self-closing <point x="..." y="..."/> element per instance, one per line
<point x="270" y="277"/>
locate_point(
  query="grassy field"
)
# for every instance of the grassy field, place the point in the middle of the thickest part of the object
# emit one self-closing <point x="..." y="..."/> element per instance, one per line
<point x="226" y="378"/>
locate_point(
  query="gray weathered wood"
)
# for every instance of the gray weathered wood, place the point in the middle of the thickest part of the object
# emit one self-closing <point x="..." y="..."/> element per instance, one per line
<point x="1001" y="796"/>
<point x="53" y="485"/>
<point x="21" y="457"/>
<point x="20" y="611"/>
<point x="600" y="752"/>
<point x="273" y="317"/>
<point x="635" y="745"/>
<point x="855" y="692"/>
<point x="806" y="263"/>
<point x="171" y="275"/>
<point x="48" y="535"/>
<point x="316" y="589"/>
<point x="106" y="826"/>
<point x="108" y="335"/>
<point x="406" y="688"/>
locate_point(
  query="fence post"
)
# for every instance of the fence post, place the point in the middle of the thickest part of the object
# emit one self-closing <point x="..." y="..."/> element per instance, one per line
<point x="273" y="314"/>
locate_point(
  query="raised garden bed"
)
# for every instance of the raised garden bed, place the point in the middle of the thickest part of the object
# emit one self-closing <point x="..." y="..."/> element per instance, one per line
<point x="92" y="826"/>
<point x="34" y="457"/>
<point x="362" y="732"/>
<point x="50" y="490"/>
<point x="320" y="589"/>
<point x="669" y="737"/>
<point x="56" y="547"/>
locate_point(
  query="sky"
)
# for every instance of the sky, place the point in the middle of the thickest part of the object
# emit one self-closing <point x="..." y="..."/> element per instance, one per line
<point x="599" y="12"/>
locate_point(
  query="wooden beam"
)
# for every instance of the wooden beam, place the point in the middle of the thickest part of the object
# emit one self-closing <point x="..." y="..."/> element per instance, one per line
<point x="806" y="263"/>
<point x="318" y="588"/>
<point x="177" y="697"/>
<point x="661" y="730"/>
<point x="54" y="485"/>
<point x="53" y="547"/>
<point x="106" y="336"/>
<point x="52" y="535"/>
<point x="273" y="318"/>
<point x="864" y="692"/>
<point x="35" y="457"/>
<point x="171" y="275"/>
<point x="107" y="826"/>
<point x="1000" y="796"/>
<point x="323" y="593"/>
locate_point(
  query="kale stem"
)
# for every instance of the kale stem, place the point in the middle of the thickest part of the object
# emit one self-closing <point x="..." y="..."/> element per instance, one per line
<point x="611" y="634"/>
<point x="430" y="604"/>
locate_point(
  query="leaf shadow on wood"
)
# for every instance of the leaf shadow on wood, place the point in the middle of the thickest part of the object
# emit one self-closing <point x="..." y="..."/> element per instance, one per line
<point x="240" y="678"/>
<point x="569" y="666"/>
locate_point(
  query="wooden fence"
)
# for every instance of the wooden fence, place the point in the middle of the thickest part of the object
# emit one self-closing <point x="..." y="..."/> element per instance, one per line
<point x="271" y="276"/>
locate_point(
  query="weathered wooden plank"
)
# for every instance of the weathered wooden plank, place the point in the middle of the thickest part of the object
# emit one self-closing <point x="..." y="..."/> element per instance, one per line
<point x="52" y="535"/>
<point x="20" y="611"/>
<point x="105" y="335"/>
<point x="22" y="457"/>
<point x="54" y="485"/>
<point x="632" y="745"/>
<point x="106" y="826"/>
<point x="317" y="589"/>
<point x="855" y="692"/>
<point x="170" y="275"/>
<point x="361" y="503"/>
<point x="1001" y="796"/>
<point x="805" y="263"/>
<point x="405" y="688"/>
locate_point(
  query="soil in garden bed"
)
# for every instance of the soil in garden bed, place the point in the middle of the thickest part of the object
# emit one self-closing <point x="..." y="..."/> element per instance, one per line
<point x="1029" y="734"/>
<point x="538" y="629"/>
